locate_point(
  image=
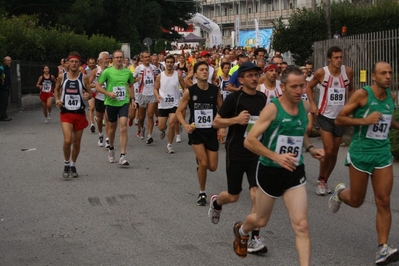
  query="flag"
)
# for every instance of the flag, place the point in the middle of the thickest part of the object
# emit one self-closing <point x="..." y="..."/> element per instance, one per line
<point x="256" y="33"/>
<point x="237" y="26"/>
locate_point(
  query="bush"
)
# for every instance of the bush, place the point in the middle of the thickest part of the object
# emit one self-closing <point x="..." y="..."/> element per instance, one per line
<point x="28" y="41"/>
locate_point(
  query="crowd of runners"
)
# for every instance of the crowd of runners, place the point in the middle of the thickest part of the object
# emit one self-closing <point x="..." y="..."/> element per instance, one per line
<point x="261" y="111"/>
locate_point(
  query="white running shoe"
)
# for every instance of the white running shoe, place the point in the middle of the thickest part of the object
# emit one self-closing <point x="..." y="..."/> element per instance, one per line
<point x="321" y="188"/>
<point x="256" y="245"/>
<point x="123" y="161"/>
<point x="213" y="214"/>
<point x="169" y="149"/>
<point x="386" y="254"/>
<point x="142" y="133"/>
<point x="111" y="156"/>
<point x="162" y="134"/>
<point x="178" y="139"/>
<point x="45" y="121"/>
<point x="100" y="141"/>
<point x="334" y="203"/>
<point x="107" y="143"/>
<point x="49" y="116"/>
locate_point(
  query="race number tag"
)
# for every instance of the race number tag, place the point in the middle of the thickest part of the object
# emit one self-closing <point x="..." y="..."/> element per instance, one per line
<point x="381" y="129"/>
<point x="289" y="144"/>
<point x="251" y="122"/>
<point x="149" y="81"/>
<point x="203" y="118"/>
<point x="336" y="96"/>
<point x="168" y="100"/>
<point x="72" y="102"/>
<point x="120" y="92"/>
<point x="46" y="86"/>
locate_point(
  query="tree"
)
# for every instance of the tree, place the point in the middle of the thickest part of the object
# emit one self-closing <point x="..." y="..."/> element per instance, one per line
<point x="304" y="28"/>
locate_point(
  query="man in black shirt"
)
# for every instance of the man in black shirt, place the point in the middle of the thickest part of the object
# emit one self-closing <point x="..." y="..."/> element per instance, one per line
<point x="5" y="87"/>
<point x="239" y="112"/>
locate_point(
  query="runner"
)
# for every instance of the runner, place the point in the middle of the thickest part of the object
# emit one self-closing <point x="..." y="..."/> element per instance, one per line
<point x="70" y="91"/>
<point x="268" y="83"/>
<point x="239" y="112"/>
<point x="91" y="64"/>
<point x="203" y="99"/>
<point x="103" y="61"/>
<point x="117" y="98"/>
<point x="145" y="75"/>
<point x="45" y="84"/>
<point x="370" y="111"/>
<point x="167" y="93"/>
<point x="283" y="126"/>
<point x="336" y="86"/>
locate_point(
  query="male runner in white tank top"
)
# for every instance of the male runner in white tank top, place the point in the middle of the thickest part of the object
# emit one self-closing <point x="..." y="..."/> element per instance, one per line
<point x="336" y="82"/>
<point x="166" y="90"/>
<point x="268" y="83"/>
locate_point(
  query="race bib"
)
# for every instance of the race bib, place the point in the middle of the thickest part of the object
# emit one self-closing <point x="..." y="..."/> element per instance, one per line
<point x="72" y="102"/>
<point x="46" y="87"/>
<point x="289" y="144"/>
<point x="336" y="96"/>
<point x="168" y="101"/>
<point x="251" y="123"/>
<point x="203" y="118"/>
<point x="149" y="81"/>
<point x="120" y="92"/>
<point x="381" y="129"/>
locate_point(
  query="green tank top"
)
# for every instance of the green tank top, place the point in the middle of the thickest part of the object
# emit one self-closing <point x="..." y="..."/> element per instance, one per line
<point x="373" y="139"/>
<point x="285" y="134"/>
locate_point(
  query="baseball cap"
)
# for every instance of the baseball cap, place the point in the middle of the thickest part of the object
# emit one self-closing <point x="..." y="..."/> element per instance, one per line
<point x="247" y="66"/>
<point x="204" y="53"/>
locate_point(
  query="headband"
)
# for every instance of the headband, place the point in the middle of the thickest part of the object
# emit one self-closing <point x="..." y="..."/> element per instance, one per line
<point x="271" y="66"/>
<point x="73" y="56"/>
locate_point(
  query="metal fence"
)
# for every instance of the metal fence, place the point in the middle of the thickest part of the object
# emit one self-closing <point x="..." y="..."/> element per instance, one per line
<point x="361" y="51"/>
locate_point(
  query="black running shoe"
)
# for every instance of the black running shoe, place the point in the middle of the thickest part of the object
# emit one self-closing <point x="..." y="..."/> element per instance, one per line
<point x="201" y="199"/>
<point x="92" y="128"/>
<point x="149" y="141"/>
<point x="67" y="170"/>
<point x="73" y="172"/>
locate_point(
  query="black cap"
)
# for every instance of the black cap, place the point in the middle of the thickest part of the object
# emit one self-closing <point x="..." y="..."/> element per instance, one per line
<point x="247" y="66"/>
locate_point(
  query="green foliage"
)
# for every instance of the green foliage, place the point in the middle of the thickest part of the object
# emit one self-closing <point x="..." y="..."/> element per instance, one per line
<point x="304" y="28"/>
<point x="364" y="18"/>
<point x="394" y="137"/>
<point x="26" y="40"/>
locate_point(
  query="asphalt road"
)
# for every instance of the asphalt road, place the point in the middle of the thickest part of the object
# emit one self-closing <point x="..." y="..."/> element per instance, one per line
<point x="146" y="214"/>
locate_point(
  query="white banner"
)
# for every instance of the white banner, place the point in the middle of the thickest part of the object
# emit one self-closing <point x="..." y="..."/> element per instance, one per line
<point x="237" y="27"/>
<point x="257" y="43"/>
<point x="207" y="25"/>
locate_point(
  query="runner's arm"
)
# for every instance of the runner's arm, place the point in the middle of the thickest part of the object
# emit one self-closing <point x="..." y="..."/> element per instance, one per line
<point x="38" y="84"/>
<point x="189" y="78"/>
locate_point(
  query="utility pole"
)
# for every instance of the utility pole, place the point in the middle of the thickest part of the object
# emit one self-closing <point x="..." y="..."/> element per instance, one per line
<point x="328" y="14"/>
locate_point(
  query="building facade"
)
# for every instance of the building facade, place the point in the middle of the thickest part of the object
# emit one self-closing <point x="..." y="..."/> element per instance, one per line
<point x="225" y="12"/>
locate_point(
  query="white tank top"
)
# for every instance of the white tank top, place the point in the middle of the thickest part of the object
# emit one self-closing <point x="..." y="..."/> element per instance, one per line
<point x="146" y="85"/>
<point x="333" y="93"/>
<point x="270" y="94"/>
<point x="99" y="95"/>
<point x="169" y="91"/>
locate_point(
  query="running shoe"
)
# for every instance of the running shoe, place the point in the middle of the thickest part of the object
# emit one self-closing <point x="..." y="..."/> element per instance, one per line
<point x="240" y="243"/>
<point x="100" y="141"/>
<point x="45" y="121"/>
<point x="123" y="161"/>
<point x="328" y="190"/>
<point x="142" y="134"/>
<point x="256" y="245"/>
<point x="92" y="128"/>
<point x="138" y="135"/>
<point x="111" y="156"/>
<point x="201" y="199"/>
<point x="107" y="143"/>
<point x="334" y="202"/>
<point x="213" y="214"/>
<point x="386" y="254"/>
<point x="73" y="172"/>
<point x="136" y="121"/>
<point x="162" y="134"/>
<point x="149" y="141"/>
<point x="130" y="122"/>
<point x="178" y="139"/>
<point x="67" y="170"/>
<point x="321" y="187"/>
<point x="169" y="149"/>
<point x="49" y="116"/>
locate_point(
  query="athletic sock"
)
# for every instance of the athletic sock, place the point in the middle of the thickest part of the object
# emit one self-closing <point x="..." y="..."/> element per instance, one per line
<point x="73" y="163"/>
<point x="66" y="163"/>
